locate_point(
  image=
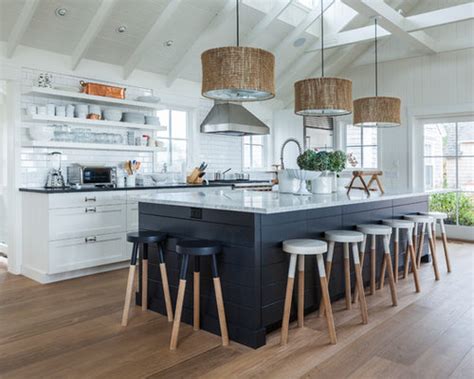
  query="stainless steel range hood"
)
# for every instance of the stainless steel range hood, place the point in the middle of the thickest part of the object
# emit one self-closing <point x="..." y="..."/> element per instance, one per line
<point x="232" y="120"/>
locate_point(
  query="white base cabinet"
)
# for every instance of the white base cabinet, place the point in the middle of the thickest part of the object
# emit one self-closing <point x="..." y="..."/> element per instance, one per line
<point x="74" y="234"/>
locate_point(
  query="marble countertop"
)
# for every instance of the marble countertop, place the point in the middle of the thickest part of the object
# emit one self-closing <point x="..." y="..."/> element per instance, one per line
<point x="267" y="202"/>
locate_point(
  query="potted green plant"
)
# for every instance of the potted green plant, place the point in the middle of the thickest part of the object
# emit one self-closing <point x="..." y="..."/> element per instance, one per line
<point x="307" y="170"/>
<point x="337" y="163"/>
<point x="321" y="163"/>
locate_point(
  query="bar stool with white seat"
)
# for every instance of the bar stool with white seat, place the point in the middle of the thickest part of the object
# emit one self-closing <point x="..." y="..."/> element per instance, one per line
<point x="374" y="231"/>
<point x="440" y="217"/>
<point x="347" y="237"/>
<point x="397" y="225"/>
<point x="426" y="226"/>
<point x="300" y="248"/>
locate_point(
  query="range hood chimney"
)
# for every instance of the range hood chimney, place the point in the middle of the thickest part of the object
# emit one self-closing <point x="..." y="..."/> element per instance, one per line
<point x="232" y="120"/>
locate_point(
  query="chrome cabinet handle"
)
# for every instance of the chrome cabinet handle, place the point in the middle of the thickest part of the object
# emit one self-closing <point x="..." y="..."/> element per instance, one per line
<point x="91" y="209"/>
<point x="90" y="199"/>
<point x="90" y="239"/>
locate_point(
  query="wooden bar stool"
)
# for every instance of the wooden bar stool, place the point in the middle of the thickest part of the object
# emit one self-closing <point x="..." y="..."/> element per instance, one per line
<point x="374" y="231"/>
<point x="440" y="217"/>
<point x="347" y="237"/>
<point x="145" y="238"/>
<point x="198" y="249"/>
<point x="302" y="247"/>
<point x="397" y="225"/>
<point x="426" y="226"/>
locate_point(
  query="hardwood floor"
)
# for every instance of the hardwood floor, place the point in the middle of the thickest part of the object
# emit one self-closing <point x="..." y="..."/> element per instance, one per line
<point x="72" y="330"/>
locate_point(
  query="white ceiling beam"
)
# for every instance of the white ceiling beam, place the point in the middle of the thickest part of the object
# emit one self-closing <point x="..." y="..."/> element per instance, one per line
<point x="100" y="16"/>
<point x="392" y="21"/>
<point x="411" y="24"/>
<point x="198" y="44"/>
<point x="150" y="39"/>
<point x="265" y="22"/>
<point x="440" y="17"/>
<point x="20" y="26"/>
<point x="308" y="20"/>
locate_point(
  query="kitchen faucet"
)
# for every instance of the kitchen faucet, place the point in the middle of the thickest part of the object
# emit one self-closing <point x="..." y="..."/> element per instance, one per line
<point x="283" y="150"/>
<point x="224" y="172"/>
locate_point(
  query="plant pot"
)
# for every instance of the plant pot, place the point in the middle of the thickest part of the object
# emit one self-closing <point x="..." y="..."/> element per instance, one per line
<point x="322" y="185"/>
<point x="286" y="183"/>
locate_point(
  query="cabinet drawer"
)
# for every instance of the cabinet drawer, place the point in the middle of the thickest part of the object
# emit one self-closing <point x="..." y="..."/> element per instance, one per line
<point x="79" y="253"/>
<point x="70" y="200"/>
<point x="91" y="220"/>
<point x="132" y="217"/>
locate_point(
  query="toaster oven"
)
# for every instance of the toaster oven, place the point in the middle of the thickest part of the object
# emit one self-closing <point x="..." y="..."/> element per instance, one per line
<point x="91" y="175"/>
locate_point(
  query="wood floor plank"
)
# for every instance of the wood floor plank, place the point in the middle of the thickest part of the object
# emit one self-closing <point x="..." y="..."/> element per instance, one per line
<point x="72" y="329"/>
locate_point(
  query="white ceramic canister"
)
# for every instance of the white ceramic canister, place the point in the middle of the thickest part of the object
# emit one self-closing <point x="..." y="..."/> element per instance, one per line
<point x="51" y="109"/>
<point x="61" y="111"/>
<point x="322" y="185"/>
<point x="70" y="110"/>
<point x="131" y="180"/>
<point x="286" y="183"/>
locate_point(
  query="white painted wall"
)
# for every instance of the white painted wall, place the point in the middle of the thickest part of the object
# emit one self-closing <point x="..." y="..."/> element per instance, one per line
<point x="431" y="85"/>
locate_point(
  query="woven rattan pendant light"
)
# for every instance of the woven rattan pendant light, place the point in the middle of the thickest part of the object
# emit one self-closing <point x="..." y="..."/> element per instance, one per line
<point x="237" y="73"/>
<point x="377" y="111"/>
<point x="323" y="96"/>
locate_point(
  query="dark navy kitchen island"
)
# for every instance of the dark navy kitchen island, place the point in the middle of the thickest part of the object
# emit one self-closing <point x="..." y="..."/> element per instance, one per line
<point x="251" y="227"/>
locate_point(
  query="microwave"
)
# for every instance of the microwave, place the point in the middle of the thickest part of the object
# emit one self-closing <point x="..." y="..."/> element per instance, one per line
<point x="91" y="175"/>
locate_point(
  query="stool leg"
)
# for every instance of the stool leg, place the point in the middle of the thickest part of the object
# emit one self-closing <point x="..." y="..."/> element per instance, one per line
<point x="413" y="263"/>
<point x="373" y="263"/>
<point x="328" y="272"/>
<point x="445" y="245"/>
<point x="421" y="240"/>
<point x="391" y="281"/>
<point x="362" y="259"/>
<point x="433" y="254"/>
<point x="326" y="299"/>
<point x="196" y="299"/>
<point x="415" y="238"/>
<point x="131" y="279"/>
<point x="360" y="284"/>
<point x="300" y="291"/>
<point x="145" y="277"/>
<point x="383" y="271"/>
<point x="408" y="253"/>
<point x="347" y="276"/>
<point x="396" y="253"/>
<point x="179" y="303"/>
<point x="164" y="280"/>
<point x="288" y="296"/>
<point x="220" y="303"/>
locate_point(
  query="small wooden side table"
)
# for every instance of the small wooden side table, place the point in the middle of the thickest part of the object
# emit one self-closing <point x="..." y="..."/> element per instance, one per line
<point x="374" y="177"/>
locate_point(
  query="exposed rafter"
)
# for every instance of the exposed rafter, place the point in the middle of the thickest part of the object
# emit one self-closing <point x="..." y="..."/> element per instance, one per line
<point x="265" y="22"/>
<point x="393" y="22"/>
<point x="151" y="36"/>
<point x="206" y="35"/>
<point x="20" y="26"/>
<point x="101" y="15"/>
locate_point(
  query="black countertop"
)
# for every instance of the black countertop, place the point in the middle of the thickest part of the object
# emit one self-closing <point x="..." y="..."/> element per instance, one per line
<point x="160" y="186"/>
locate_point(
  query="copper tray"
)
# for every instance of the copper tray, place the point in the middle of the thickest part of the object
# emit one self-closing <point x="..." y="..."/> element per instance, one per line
<point x="98" y="89"/>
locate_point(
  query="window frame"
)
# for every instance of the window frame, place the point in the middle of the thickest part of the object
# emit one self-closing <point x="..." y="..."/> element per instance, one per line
<point x="362" y="146"/>
<point x="251" y="159"/>
<point x="169" y="139"/>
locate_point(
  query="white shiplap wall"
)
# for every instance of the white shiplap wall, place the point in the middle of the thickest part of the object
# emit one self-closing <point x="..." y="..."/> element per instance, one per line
<point x="438" y="84"/>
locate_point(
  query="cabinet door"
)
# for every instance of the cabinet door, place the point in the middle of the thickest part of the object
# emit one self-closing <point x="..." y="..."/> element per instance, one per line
<point x="86" y="199"/>
<point x="132" y="217"/>
<point x="85" y="221"/>
<point x="91" y="251"/>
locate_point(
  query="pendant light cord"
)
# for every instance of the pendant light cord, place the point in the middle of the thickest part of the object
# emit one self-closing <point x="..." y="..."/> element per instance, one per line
<point x="376" y="62"/>
<point x="237" y="22"/>
<point x="322" y="40"/>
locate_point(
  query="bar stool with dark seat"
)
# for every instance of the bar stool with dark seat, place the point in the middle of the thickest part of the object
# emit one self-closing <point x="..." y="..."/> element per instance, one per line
<point x="198" y="249"/>
<point x="145" y="238"/>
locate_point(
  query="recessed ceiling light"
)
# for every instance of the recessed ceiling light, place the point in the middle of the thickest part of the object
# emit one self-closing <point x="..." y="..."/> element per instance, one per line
<point x="121" y="29"/>
<point x="61" y="12"/>
<point x="168" y="43"/>
<point x="299" y="42"/>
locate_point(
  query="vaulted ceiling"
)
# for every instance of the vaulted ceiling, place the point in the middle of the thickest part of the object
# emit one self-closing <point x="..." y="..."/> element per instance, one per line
<point x="168" y="36"/>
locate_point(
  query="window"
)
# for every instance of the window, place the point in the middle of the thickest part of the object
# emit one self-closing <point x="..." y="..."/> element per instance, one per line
<point x="449" y="163"/>
<point x="253" y="152"/>
<point x="362" y="144"/>
<point x="174" y="138"/>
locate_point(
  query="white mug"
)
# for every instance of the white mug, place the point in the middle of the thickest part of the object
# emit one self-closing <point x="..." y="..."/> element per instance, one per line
<point x="61" y="111"/>
<point x="70" y="110"/>
<point x="51" y="109"/>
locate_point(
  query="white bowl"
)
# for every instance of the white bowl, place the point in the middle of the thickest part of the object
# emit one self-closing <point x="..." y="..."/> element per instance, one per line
<point x="303" y="176"/>
<point x="112" y="114"/>
<point x="148" y="99"/>
<point x="41" y="133"/>
<point x="134" y="117"/>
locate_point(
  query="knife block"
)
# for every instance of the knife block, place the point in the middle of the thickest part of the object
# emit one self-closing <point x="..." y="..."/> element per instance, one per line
<point x="195" y="177"/>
